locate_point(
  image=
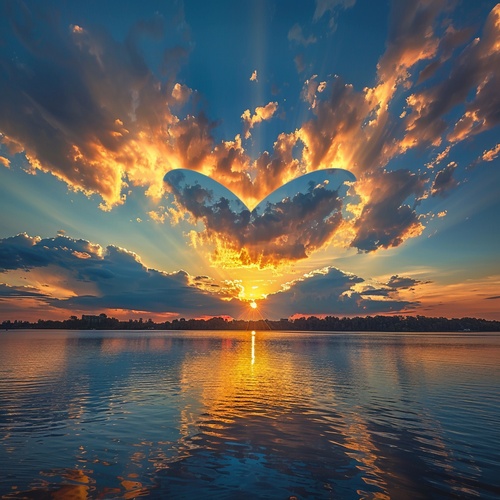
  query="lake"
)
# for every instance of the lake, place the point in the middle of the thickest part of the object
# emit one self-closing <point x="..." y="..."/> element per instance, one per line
<point x="114" y="414"/>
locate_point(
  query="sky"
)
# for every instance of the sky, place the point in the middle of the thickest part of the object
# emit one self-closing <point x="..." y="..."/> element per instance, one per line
<point x="190" y="159"/>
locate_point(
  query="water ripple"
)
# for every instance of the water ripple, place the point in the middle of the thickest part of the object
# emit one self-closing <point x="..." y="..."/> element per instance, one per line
<point x="271" y="415"/>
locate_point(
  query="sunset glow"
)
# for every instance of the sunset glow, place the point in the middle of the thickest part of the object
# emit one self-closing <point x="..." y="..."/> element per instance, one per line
<point x="186" y="160"/>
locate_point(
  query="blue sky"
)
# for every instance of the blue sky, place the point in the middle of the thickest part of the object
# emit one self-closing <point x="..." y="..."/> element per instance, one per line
<point x="101" y="101"/>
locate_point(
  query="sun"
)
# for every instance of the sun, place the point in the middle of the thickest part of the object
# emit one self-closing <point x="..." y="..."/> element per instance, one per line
<point x="253" y="305"/>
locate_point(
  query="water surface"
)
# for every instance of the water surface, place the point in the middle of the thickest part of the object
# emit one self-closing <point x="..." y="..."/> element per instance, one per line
<point x="233" y="415"/>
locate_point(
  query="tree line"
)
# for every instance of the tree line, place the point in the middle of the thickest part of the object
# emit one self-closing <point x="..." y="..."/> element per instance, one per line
<point x="395" y="323"/>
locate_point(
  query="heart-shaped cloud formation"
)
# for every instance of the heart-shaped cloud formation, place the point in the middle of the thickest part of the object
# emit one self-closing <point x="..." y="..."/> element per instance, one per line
<point x="293" y="221"/>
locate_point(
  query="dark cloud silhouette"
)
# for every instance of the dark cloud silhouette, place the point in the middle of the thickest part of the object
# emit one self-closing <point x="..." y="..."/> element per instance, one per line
<point x="330" y="291"/>
<point x="397" y="282"/>
<point x="119" y="280"/>
<point x="386" y="221"/>
<point x="444" y="180"/>
<point x="118" y="277"/>
<point x="20" y="292"/>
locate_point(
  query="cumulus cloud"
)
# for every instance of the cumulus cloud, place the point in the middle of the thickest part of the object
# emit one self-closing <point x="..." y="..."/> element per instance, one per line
<point x="356" y="129"/>
<point x="330" y="291"/>
<point x="287" y="226"/>
<point x="254" y="77"/>
<point x="118" y="279"/>
<point x="261" y="113"/>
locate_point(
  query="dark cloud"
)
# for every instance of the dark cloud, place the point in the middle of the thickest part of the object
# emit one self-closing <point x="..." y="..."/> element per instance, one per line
<point x="329" y="291"/>
<point x="20" y="292"/>
<point x="294" y="221"/>
<point x="397" y="282"/>
<point x="444" y="180"/>
<point x="26" y="252"/>
<point x="386" y="221"/>
<point x="117" y="276"/>
<point x="390" y="289"/>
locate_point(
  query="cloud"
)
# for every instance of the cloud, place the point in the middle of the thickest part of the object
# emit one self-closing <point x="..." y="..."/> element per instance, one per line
<point x="311" y="89"/>
<point x="487" y="156"/>
<point x="261" y="113"/>
<point x="411" y="39"/>
<point x="385" y="220"/>
<point x="475" y="70"/>
<point x="86" y="107"/>
<point x="491" y="154"/>
<point x="294" y="221"/>
<point x="296" y="35"/>
<point x="19" y="292"/>
<point x="330" y="291"/>
<point x="452" y="39"/>
<point x="332" y="8"/>
<point x="300" y="64"/>
<point x="4" y="161"/>
<point x="444" y="180"/>
<point x="397" y="282"/>
<point x="118" y="279"/>
<point x="254" y="77"/>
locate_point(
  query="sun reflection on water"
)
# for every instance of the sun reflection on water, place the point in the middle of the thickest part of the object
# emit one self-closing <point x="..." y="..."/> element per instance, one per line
<point x="364" y="414"/>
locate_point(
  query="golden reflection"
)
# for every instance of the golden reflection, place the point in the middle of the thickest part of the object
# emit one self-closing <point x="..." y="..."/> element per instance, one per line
<point x="253" y="347"/>
<point x="228" y="396"/>
<point x="79" y="491"/>
<point x="71" y="491"/>
<point x="278" y="400"/>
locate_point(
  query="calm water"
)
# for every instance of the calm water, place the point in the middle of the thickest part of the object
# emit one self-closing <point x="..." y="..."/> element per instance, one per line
<point x="235" y="415"/>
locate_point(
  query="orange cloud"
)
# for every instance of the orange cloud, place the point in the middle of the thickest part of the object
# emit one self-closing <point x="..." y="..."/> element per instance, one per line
<point x="116" y="125"/>
<point x="491" y="154"/>
<point x="261" y="113"/>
